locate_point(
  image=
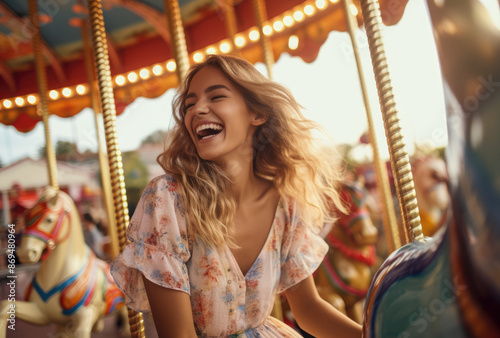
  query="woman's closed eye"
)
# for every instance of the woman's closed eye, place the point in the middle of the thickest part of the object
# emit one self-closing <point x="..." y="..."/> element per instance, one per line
<point x="217" y="97"/>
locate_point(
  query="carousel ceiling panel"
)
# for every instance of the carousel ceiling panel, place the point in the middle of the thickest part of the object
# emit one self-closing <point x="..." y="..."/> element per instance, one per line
<point x="139" y="43"/>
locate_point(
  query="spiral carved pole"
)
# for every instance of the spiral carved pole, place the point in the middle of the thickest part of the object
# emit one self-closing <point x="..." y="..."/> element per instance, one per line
<point x="114" y="154"/>
<point x="41" y="79"/>
<point x="259" y="7"/>
<point x="388" y="215"/>
<point x="178" y="40"/>
<point x="400" y="160"/>
<point x="230" y="22"/>
<point x="103" y="161"/>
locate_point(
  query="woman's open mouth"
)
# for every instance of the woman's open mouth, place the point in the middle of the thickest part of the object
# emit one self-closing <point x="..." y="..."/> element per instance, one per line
<point x="209" y="130"/>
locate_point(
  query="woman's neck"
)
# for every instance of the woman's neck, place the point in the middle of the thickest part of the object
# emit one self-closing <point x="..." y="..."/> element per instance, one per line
<point x="245" y="184"/>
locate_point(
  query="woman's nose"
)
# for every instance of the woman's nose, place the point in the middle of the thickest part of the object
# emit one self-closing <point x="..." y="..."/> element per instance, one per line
<point x="200" y="108"/>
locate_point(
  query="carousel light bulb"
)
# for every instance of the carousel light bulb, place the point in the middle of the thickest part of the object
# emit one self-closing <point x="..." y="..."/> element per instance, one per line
<point x="7" y="103"/>
<point x="298" y="16"/>
<point x="309" y="10"/>
<point x="120" y="80"/>
<point x="225" y="47"/>
<point x="19" y="101"/>
<point x="144" y="74"/>
<point x="211" y="50"/>
<point x="67" y="92"/>
<point x="288" y="20"/>
<point x="293" y="42"/>
<point x="334" y="1"/>
<point x="268" y="30"/>
<point x="354" y="10"/>
<point x="321" y="4"/>
<point x="157" y="70"/>
<point x="278" y="26"/>
<point x="198" y="57"/>
<point x="254" y="35"/>
<point x="171" y="66"/>
<point x="132" y="77"/>
<point x="80" y="89"/>
<point x="239" y="41"/>
<point x="31" y="99"/>
<point x="53" y="94"/>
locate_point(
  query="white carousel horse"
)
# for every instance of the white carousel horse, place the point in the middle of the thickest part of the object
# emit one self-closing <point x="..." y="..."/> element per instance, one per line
<point x="73" y="289"/>
<point x="430" y="178"/>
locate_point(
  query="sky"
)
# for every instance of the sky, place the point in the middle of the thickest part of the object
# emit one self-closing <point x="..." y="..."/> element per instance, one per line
<point x="328" y="89"/>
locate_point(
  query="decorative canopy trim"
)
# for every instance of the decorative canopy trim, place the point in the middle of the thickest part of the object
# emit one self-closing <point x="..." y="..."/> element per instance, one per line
<point x="299" y="31"/>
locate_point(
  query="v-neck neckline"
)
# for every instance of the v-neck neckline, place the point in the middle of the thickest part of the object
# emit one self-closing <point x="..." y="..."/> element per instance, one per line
<point x="269" y="235"/>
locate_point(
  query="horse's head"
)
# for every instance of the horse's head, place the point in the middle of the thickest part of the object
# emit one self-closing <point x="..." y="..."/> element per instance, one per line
<point x="46" y="226"/>
<point x="357" y="223"/>
<point x="431" y="178"/>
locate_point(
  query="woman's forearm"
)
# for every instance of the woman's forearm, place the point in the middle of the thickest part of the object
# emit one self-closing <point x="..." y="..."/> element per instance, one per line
<point x="321" y="319"/>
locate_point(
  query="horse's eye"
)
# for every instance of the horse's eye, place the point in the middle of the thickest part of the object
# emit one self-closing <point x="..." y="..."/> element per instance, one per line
<point x="49" y="219"/>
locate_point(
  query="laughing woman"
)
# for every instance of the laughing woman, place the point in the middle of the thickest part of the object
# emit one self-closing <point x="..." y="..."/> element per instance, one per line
<point x="235" y="219"/>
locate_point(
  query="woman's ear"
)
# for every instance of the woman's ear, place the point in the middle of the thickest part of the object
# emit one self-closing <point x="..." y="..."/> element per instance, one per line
<point x="258" y="119"/>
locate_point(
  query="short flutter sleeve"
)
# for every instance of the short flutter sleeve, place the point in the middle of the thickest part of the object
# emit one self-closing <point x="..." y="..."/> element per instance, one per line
<point x="158" y="247"/>
<point x="302" y="250"/>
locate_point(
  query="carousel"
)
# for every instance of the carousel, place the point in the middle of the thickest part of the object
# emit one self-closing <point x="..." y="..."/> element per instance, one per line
<point x="59" y="57"/>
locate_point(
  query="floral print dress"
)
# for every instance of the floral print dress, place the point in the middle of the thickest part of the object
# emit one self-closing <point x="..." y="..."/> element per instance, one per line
<point x="224" y="301"/>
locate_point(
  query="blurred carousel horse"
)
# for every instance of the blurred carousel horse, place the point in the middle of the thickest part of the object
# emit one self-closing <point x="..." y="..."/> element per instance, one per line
<point x="73" y="288"/>
<point x="431" y="178"/>
<point x="449" y="286"/>
<point x="345" y="274"/>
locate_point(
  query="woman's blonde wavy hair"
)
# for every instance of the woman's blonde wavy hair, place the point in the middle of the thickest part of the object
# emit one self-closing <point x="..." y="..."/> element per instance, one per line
<point x="284" y="152"/>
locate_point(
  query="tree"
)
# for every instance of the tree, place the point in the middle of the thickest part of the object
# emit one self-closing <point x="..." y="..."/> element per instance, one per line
<point x="156" y="137"/>
<point x="63" y="148"/>
<point x="136" y="175"/>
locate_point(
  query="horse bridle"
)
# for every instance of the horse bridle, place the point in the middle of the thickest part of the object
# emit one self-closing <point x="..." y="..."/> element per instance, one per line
<point x="50" y="239"/>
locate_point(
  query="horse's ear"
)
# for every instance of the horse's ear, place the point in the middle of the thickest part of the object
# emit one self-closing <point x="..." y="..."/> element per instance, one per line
<point x="51" y="196"/>
<point x="53" y="201"/>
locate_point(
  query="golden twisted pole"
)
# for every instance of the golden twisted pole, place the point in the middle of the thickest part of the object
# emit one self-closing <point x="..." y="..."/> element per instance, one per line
<point x="114" y="154"/>
<point x="400" y="160"/>
<point x="259" y="7"/>
<point x="230" y="22"/>
<point x="388" y="214"/>
<point x="41" y="79"/>
<point x="178" y="40"/>
<point x="103" y="162"/>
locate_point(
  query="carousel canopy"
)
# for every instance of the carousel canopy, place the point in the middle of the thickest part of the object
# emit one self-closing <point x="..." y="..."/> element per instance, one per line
<point x="142" y="61"/>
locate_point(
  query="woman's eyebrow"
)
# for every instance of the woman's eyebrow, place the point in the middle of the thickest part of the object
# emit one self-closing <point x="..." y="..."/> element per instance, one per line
<point x="209" y="89"/>
<point x="214" y="87"/>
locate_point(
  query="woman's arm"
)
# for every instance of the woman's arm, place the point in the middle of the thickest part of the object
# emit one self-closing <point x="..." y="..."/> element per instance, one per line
<point x="316" y="316"/>
<point x="171" y="311"/>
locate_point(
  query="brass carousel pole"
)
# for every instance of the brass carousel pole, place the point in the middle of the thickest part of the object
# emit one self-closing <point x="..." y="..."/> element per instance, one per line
<point x="178" y="40"/>
<point x="41" y="79"/>
<point x="230" y="22"/>
<point x="400" y="160"/>
<point x="114" y="154"/>
<point x="103" y="162"/>
<point x="388" y="215"/>
<point x="259" y="7"/>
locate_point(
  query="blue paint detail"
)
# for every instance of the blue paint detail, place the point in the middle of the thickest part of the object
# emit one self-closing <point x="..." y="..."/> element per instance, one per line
<point x="116" y="301"/>
<point x="70" y="311"/>
<point x="46" y="295"/>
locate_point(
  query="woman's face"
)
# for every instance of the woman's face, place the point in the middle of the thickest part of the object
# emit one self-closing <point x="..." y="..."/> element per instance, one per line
<point x="217" y="118"/>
